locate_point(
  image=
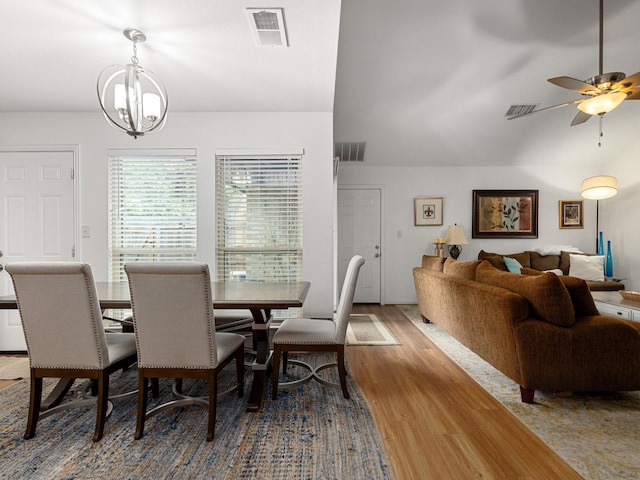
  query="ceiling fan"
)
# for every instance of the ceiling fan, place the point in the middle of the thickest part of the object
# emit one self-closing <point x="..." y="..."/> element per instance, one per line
<point x="600" y="93"/>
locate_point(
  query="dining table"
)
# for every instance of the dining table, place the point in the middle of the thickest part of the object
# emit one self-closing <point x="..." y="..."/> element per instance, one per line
<point x="258" y="297"/>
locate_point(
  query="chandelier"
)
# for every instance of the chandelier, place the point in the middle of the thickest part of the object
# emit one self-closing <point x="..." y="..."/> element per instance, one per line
<point x="132" y="98"/>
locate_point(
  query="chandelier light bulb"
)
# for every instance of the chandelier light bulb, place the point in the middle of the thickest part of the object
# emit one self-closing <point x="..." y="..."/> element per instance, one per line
<point x="601" y="104"/>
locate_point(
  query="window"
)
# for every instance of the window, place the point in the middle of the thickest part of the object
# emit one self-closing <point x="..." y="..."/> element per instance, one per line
<point x="259" y="218"/>
<point x="152" y="199"/>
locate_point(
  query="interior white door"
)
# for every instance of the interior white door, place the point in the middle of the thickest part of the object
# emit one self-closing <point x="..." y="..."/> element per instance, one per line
<point x="36" y="220"/>
<point x="359" y="225"/>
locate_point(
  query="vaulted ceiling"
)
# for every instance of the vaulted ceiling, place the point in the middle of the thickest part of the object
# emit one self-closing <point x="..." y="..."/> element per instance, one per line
<point x="422" y="82"/>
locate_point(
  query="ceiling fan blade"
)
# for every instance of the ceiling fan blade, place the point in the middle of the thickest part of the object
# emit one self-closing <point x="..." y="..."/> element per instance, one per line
<point x="631" y="81"/>
<point x="633" y="94"/>
<point x="552" y="107"/>
<point x="580" y="117"/>
<point x="574" y="84"/>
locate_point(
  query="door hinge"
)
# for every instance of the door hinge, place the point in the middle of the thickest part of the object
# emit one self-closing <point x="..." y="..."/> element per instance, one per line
<point x="73" y="252"/>
<point x="73" y="173"/>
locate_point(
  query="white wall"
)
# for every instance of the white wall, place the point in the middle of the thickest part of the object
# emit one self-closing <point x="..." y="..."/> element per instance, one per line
<point x="205" y="132"/>
<point x="404" y="243"/>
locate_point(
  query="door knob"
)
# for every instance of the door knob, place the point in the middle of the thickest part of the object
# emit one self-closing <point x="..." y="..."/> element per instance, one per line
<point x="1" y="267"/>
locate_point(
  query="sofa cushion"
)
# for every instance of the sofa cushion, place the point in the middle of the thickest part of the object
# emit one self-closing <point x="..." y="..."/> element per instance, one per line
<point x="587" y="267"/>
<point x="581" y="297"/>
<point x="547" y="296"/>
<point x="544" y="262"/>
<point x="434" y="264"/>
<point x="461" y="269"/>
<point x="522" y="257"/>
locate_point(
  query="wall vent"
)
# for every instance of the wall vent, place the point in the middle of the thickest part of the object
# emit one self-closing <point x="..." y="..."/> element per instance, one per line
<point x="267" y="25"/>
<point x="515" y="110"/>
<point x="350" y="151"/>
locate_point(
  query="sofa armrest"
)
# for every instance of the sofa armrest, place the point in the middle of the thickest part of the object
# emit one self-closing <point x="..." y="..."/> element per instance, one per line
<point x="597" y="353"/>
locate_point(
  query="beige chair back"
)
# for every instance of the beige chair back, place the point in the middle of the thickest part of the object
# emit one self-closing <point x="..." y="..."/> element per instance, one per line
<point x="346" y="298"/>
<point x="60" y="314"/>
<point x="172" y="314"/>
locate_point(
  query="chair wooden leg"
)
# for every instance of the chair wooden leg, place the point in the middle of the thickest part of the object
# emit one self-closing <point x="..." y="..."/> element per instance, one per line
<point x="240" y="370"/>
<point x="285" y="360"/>
<point x="213" y="401"/>
<point x="35" y="398"/>
<point x="102" y="405"/>
<point x="155" y="387"/>
<point x="143" y="392"/>
<point x="277" y="352"/>
<point x="342" y="372"/>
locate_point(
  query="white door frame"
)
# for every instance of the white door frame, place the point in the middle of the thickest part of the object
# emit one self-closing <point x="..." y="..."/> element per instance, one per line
<point x="382" y="232"/>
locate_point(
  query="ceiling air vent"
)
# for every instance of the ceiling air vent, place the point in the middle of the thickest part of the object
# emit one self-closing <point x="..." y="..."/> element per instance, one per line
<point x="350" y="151"/>
<point x="515" y="110"/>
<point x="268" y="26"/>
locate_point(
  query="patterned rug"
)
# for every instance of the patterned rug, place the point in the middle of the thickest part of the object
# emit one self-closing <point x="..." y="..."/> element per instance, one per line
<point x="597" y="434"/>
<point x="368" y="329"/>
<point x="309" y="432"/>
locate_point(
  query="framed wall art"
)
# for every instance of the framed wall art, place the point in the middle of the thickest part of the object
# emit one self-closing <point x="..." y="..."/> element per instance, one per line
<point x="427" y="211"/>
<point x="571" y="213"/>
<point x="505" y="214"/>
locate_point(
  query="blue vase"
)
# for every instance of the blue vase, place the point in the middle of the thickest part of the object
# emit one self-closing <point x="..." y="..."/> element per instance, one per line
<point x="608" y="263"/>
<point x="600" y="245"/>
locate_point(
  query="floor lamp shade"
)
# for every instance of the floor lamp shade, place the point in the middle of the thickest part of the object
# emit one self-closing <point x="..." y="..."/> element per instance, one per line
<point x="599" y="187"/>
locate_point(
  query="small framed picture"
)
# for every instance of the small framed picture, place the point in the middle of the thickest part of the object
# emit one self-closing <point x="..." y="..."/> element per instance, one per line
<point x="428" y="211"/>
<point x="571" y="213"/>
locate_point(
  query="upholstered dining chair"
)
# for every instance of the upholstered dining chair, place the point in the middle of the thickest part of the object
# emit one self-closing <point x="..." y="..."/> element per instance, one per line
<point x="317" y="335"/>
<point x="62" y="324"/>
<point x="175" y="334"/>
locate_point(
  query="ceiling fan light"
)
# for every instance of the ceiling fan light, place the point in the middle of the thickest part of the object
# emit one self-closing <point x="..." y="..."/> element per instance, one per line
<point x="600" y="187"/>
<point x="601" y="104"/>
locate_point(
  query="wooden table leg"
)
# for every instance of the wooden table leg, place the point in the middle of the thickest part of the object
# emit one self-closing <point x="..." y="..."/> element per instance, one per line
<point x="261" y="321"/>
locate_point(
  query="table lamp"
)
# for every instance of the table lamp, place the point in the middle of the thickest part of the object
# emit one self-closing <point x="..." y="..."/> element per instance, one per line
<point x="454" y="238"/>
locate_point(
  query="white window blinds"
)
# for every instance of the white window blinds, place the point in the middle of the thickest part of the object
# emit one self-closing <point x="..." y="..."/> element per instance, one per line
<point x="259" y="218"/>
<point x="152" y="199"/>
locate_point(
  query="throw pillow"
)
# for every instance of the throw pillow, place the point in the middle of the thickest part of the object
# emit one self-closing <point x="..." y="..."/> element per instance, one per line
<point x="460" y="269"/>
<point x="581" y="297"/>
<point x="512" y="264"/>
<point x="530" y="271"/>
<point x="434" y="264"/>
<point x="522" y="257"/>
<point x="546" y="294"/>
<point x="564" y="260"/>
<point x="587" y="267"/>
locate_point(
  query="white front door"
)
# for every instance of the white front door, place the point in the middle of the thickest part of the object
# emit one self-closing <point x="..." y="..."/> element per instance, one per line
<point x="36" y="219"/>
<point x="359" y="224"/>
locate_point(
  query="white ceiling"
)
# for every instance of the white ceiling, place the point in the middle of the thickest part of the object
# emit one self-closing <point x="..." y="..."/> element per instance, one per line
<point x="423" y="82"/>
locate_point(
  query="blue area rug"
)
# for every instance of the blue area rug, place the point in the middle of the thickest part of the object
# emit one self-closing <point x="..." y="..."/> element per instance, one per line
<point x="310" y="432"/>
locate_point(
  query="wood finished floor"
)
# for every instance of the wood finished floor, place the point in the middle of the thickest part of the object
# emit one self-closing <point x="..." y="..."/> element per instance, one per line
<point x="436" y="422"/>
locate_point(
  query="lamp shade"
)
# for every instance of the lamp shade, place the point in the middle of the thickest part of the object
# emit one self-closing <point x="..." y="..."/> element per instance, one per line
<point x="599" y="187"/>
<point x="601" y="104"/>
<point x="455" y="235"/>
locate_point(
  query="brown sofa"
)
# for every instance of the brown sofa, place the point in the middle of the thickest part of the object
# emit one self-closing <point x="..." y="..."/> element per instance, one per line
<point x="542" y="331"/>
<point x="535" y="261"/>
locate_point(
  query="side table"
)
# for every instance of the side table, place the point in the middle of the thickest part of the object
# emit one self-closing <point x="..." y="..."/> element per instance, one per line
<point x="612" y="303"/>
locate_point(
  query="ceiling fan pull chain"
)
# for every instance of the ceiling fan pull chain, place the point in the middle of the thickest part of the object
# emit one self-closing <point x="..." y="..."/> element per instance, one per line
<point x="600" y="134"/>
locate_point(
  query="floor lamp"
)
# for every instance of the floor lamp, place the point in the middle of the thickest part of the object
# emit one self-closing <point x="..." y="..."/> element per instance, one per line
<point x="598" y="188"/>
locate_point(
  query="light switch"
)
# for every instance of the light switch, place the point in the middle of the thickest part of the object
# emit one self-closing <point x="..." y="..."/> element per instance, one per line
<point x="86" y="231"/>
